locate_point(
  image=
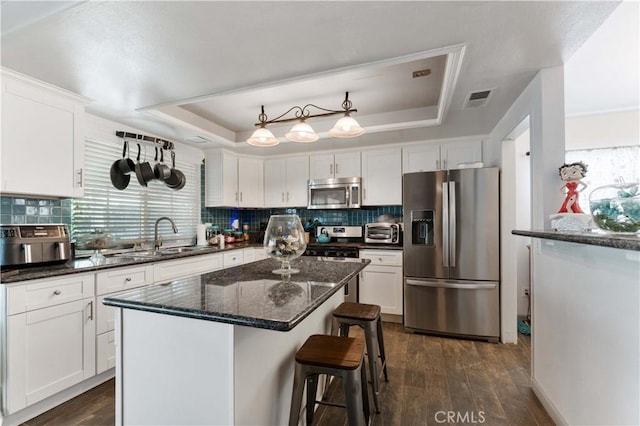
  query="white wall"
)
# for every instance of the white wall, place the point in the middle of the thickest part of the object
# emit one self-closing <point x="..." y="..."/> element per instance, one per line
<point x="603" y="130"/>
<point x="543" y="102"/>
<point x="523" y="216"/>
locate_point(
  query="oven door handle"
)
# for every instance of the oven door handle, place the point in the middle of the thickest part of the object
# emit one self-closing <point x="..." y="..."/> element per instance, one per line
<point x="27" y="252"/>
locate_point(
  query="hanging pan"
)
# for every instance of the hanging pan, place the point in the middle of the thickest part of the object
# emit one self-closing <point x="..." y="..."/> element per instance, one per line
<point x="161" y="170"/>
<point x="177" y="180"/>
<point x="144" y="172"/>
<point x="121" y="168"/>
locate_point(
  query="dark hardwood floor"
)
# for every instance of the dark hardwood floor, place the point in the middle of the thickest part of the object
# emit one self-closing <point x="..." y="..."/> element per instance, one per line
<point x="430" y="378"/>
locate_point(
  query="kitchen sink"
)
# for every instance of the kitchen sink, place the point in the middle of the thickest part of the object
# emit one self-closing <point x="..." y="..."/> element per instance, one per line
<point x="150" y="254"/>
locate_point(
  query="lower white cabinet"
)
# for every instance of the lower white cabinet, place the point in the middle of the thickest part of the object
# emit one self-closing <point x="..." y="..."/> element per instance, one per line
<point x="381" y="281"/>
<point x="260" y="254"/>
<point x="181" y="268"/>
<point x="48" y="348"/>
<point x="232" y="258"/>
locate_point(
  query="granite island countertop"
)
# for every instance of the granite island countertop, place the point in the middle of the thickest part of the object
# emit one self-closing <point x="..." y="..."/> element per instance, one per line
<point x="247" y="295"/>
<point x="595" y="238"/>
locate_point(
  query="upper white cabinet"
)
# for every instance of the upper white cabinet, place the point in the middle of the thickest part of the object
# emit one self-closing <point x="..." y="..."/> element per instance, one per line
<point x="42" y="148"/>
<point x="325" y="166"/>
<point x="233" y="181"/>
<point x="382" y="177"/>
<point x="450" y="155"/>
<point x="285" y="181"/>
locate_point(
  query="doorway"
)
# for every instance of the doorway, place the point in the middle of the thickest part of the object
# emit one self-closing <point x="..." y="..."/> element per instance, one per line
<point x="515" y="214"/>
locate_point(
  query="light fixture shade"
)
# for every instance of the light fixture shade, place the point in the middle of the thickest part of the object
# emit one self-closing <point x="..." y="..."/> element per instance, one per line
<point x="263" y="137"/>
<point x="302" y="133"/>
<point x="346" y="127"/>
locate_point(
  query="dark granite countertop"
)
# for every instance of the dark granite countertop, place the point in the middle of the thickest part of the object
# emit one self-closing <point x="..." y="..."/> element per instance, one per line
<point x="248" y="295"/>
<point x="81" y="265"/>
<point x="619" y="241"/>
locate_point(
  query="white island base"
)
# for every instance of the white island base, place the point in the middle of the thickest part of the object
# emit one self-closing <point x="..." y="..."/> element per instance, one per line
<point x="182" y="371"/>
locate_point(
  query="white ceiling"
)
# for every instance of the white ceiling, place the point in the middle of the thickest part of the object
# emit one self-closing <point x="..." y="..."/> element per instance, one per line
<point x="185" y="69"/>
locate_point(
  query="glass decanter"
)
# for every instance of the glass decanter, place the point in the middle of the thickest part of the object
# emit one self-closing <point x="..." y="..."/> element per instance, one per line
<point x="284" y="240"/>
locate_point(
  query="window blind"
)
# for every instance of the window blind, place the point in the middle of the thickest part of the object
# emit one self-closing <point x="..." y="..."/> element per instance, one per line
<point x="130" y="214"/>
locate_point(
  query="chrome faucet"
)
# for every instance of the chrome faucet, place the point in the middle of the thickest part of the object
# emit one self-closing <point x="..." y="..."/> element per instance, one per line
<point x="157" y="242"/>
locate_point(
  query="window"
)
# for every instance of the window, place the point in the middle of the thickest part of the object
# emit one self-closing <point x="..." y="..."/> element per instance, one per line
<point x="130" y="214"/>
<point x="606" y="166"/>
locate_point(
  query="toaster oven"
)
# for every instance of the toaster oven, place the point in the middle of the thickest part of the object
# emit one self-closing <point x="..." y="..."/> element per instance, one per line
<point x="382" y="233"/>
<point x="25" y="245"/>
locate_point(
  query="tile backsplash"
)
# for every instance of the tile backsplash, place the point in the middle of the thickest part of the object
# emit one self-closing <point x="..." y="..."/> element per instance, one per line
<point x="34" y="210"/>
<point x="223" y="217"/>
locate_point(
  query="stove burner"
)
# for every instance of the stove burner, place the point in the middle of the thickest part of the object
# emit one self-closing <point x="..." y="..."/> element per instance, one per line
<point x="332" y="251"/>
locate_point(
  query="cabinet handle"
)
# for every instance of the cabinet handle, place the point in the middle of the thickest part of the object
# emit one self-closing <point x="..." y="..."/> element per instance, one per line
<point x="331" y="169"/>
<point x="364" y="194"/>
<point x="91" y="310"/>
<point x="240" y="196"/>
<point x="236" y="197"/>
<point x="283" y="197"/>
<point x="57" y="292"/>
<point x="437" y="164"/>
<point x="444" y="164"/>
<point x="80" y="181"/>
<point x="128" y="279"/>
<point x="337" y="168"/>
<point x="287" y="195"/>
<point x="380" y="259"/>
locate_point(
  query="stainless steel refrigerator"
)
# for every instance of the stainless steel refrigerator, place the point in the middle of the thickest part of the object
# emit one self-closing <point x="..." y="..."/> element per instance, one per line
<point x="452" y="252"/>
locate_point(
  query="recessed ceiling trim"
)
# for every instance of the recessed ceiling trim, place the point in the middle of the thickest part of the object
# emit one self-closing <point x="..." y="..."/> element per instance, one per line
<point x="451" y="74"/>
<point x="369" y="65"/>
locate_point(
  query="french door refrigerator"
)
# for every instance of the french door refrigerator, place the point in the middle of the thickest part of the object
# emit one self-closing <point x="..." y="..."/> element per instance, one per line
<point x="452" y="253"/>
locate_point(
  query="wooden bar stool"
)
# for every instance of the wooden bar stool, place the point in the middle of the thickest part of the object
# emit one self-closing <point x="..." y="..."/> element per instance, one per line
<point x="367" y="317"/>
<point x="336" y="356"/>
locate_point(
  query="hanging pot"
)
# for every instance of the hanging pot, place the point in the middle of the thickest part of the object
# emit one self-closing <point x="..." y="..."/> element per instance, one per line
<point x="177" y="180"/>
<point x="144" y="171"/>
<point x="121" y="168"/>
<point x="161" y="170"/>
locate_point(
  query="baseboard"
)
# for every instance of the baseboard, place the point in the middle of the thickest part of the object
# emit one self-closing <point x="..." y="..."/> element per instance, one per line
<point x="391" y="318"/>
<point x="53" y="401"/>
<point x="553" y="412"/>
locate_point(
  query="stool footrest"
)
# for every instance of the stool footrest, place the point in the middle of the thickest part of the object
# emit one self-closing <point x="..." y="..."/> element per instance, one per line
<point x="332" y="404"/>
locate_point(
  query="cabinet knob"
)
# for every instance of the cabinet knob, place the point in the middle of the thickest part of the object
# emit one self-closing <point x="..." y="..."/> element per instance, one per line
<point x="57" y="292"/>
<point x="380" y="259"/>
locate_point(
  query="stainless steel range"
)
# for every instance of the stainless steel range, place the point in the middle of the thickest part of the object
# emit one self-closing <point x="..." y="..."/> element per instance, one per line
<point x="340" y="252"/>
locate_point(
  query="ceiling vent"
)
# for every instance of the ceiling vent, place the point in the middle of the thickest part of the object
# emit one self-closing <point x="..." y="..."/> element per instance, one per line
<point x="198" y="139"/>
<point x="421" y="73"/>
<point x="477" y="99"/>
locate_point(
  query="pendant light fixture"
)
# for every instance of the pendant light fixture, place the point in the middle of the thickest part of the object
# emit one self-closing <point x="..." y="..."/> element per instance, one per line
<point x="263" y="136"/>
<point x="302" y="132"/>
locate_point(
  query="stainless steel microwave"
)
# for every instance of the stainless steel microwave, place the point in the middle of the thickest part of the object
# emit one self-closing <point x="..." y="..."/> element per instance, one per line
<point x="339" y="193"/>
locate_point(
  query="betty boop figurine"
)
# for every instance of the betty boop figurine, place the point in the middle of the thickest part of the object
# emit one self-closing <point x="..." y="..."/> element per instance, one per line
<point x="572" y="175"/>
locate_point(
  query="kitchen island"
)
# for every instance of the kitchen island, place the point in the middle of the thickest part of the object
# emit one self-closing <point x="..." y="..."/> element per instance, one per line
<point x="219" y="348"/>
<point x="585" y="299"/>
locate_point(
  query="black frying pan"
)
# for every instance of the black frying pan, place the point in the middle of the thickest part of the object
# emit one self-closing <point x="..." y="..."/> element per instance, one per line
<point x="121" y="168"/>
<point x="177" y="180"/>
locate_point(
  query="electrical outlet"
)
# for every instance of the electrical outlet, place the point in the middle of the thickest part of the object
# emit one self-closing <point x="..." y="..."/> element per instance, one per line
<point x="525" y="292"/>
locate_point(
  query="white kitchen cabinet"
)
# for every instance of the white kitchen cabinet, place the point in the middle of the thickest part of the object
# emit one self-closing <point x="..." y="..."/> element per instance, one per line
<point x="325" y="166"/>
<point x="110" y="283"/>
<point x="233" y="181"/>
<point x="381" y="282"/>
<point x="232" y="258"/>
<point x="259" y="253"/>
<point x="181" y="268"/>
<point x="449" y="155"/>
<point x="250" y="182"/>
<point x="382" y="177"/>
<point x="50" y="338"/>
<point x="285" y="181"/>
<point x="42" y="148"/>
<point x="248" y="255"/>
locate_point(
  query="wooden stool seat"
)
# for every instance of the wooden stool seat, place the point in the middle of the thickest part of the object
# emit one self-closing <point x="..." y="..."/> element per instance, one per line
<point x="341" y="357"/>
<point x="361" y="311"/>
<point x="331" y="351"/>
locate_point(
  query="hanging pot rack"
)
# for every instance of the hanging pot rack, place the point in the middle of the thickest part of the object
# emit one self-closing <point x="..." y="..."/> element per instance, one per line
<point x="144" y="138"/>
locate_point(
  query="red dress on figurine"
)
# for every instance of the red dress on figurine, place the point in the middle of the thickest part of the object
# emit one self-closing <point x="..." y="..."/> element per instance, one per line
<point x="571" y="199"/>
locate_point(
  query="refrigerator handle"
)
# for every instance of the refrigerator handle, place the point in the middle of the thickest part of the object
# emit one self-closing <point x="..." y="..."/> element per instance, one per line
<point x="461" y="286"/>
<point x="445" y="224"/>
<point x="453" y="223"/>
